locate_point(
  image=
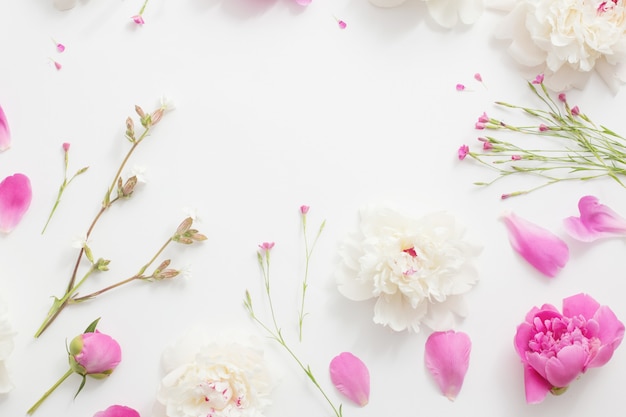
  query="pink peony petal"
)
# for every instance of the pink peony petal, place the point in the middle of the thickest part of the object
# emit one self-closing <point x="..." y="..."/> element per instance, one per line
<point x="15" y="197"/>
<point x="611" y="334"/>
<point x="538" y="246"/>
<point x="5" y="133"/>
<point x="535" y="385"/>
<point x="351" y="377"/>
<point x="117" y="411"/>
<point x="303" y="2"/>
<point x="580" y="305"/>
<point x="596" y="221"/>
<point x="564" y="368"/>
<point x="447" y="358"/>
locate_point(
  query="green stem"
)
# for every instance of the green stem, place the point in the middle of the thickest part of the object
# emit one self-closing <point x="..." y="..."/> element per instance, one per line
<point x="32" y="409"/>
<point x="145" y="3"/>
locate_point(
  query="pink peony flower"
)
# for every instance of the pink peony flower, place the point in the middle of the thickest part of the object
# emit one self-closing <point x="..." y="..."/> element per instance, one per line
<point x="556" y="348"/>
<point x="447" y="359"/>
<point x="540" y="247"/>
<point x="117" y="411"/>
<point x="351" y="377"/>
<point x="596" y="221"/>
<point x="5" y="132"/>
<point x="15" y="197"/>
<point x="95" y="354"/>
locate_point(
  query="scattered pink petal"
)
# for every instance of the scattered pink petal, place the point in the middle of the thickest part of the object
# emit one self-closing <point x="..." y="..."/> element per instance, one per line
<point x="15" y="197"/>
<point x="351" y="377"/>
<point x="304" y="209"/>
<point x="460" y="87"/>
<point x="56" y="64"/>
<point x="538" y="79"/>
<point x="478" y="78"/>
<point x="447" y="359"/>
<point x="538" y="246"/>
<point x="463" y="151"/>
<point x="342" y="24"/>
<point x="138" y="19"/>
<point x="5" y="132"/>
<point x="117" y="411"/>
<point x="596" y="221"/>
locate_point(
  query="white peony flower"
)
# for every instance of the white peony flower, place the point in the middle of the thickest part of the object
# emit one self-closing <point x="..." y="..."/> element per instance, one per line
<point x="445" y="12"/>
<point x="209" y="378"/>
<point x="568" y="39"/>
<point x="6" y="347"/>
<point x="416" y="268"/>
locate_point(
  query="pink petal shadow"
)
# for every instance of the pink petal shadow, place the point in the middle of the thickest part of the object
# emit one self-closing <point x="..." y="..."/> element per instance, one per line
<point x="15" y="197"/>
<point x="447" y="358"/>
<point x="351" y="377"/>
<point x="5" y="132"/>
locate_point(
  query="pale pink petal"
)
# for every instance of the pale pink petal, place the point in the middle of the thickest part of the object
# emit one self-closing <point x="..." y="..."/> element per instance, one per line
<point x="565" y="367"/>
<point x="611" y="333"/>
<point x="15" y="197"/>
<point x="596" y="221"/>
<point x="447" y="358"/>
<point x="5" y="132"/>
<point x="351" y="377"/>
<point x="538" y="246"/>
<point x="535" y="385"/>
<point x="303" y="2"/>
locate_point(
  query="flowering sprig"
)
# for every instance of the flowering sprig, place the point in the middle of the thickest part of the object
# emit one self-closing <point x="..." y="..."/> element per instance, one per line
<point x="579" y="150"/>
<point x="91" y="354"/>
<point x="274" y="330"/>
<point x="64" y="184"/>
<point x="138" y="18"/>
<point x="308" y="251"/>
<point x="117" y="191"/>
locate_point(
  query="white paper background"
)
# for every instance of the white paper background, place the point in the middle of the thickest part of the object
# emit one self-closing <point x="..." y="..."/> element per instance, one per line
<point x="275" y="107"/>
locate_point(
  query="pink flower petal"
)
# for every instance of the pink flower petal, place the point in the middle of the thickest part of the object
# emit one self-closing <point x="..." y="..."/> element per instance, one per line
<point x="117" y="411"/>
<point x="538" y="246"/>
<point x="564" y="368"/>
<point x="15" y="197"/>
<point x="462" y="152"/>
<point x="535" y="385"/>
<point x="447" y="358"/>
<point x="351" y="377"/>
<point x="303" y="2"/>
<point x="342" y="24"/>
<point x="5" y="132"/>
<point x="596" y="221"/>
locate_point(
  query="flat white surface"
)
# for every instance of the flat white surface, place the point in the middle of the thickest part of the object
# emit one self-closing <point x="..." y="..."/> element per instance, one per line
<point x="276" y="107"/>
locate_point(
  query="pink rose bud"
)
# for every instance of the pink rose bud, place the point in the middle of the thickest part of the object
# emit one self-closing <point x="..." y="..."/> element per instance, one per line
<point x="95" y="354"/>
<point x="117" y="411"/>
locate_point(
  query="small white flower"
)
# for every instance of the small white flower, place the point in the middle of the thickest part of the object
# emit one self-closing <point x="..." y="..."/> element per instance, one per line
<point x="568" y="39"/>
<point x="6" y="347"/>
<point x="80" y="241"/>
<point x="417" y="269"/>
<point x="167" y="103"/>
<point x="139" y="171"/>
<point x="206" y="377"/>
<point x="193" y="213"/>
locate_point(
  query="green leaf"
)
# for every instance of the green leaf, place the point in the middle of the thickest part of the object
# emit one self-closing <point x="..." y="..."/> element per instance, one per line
<point x="82" y="384"/>
<point x="92" y="327"/>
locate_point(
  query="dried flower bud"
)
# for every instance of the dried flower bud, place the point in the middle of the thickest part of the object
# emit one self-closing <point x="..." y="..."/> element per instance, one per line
<point x="130" y="129"/>
<point x="156" y="116"/>
<point x="184" y="226"/>
<point x="140" y="112"/>
<point x="129" y="187"/>
<point x="168" y="273"/>
<point x="183" y="240"/>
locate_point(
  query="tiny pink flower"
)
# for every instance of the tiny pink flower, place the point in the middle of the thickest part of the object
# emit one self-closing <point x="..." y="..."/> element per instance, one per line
<point x="557" y="348"/>
<point x="117" y="411"/>
<point x="351" y="377"/>
<point x="460" y="87"/>
<point x="575" y="111"/>
<point x="515" y="157"/>
<point x="304" y="209"/>
<point x="15" y="197"/>
<point x="447" y="359"/>
<point x="5" y="132"/>
<point x="479" y="126"/>
<point x="463" y="151"/>
<point x="596" y="221"/>
<point x="543" y="128"/>
<point x="538" y="79"/>
<point x="60" y="47"/>
<point x="266" y="246"/>
<point x="483" y="118"/>
<point x="56" y="64"/>
<point x="95" y="354"/>
<point x="66" y="146"/>
<point x="487" y="146"/>
<point x="562" y="98"/>
<point x="545" y="251"/>
<point x="342" y="24"/>
<point x="478" y="77"/>
<point x="138" y="19"/>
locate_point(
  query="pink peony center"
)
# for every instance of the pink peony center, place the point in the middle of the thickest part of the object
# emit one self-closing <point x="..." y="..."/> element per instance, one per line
<point x="556" y="333"/>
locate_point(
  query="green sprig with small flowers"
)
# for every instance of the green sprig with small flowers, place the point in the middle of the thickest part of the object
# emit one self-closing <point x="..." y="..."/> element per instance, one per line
<point x="577" y="150"/>
<point x="119" y="190"/>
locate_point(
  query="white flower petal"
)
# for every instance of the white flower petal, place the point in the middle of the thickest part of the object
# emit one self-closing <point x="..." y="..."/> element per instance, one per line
<point x="387" y="3"/>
